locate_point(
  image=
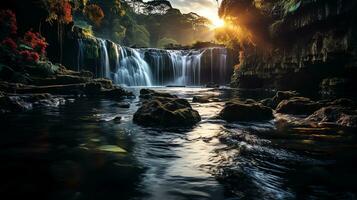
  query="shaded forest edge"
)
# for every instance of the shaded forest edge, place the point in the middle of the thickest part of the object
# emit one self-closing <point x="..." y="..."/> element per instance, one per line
<point x="308" y="46"/>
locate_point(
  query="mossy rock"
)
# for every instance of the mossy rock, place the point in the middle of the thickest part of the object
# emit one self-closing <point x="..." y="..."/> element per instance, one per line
<point x="166" y="111"/>
<point x="250" y="110"/>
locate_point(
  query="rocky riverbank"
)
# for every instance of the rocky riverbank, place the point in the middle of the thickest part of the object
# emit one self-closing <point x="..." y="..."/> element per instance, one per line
<point x="53" y="90"/>
<point x="293" y="110"/>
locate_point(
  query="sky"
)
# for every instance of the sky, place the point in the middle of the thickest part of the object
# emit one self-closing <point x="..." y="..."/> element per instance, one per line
<point x="205" y="8"/>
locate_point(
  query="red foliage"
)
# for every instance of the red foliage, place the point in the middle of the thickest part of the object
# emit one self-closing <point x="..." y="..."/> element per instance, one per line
<point x="67" y="12"/>
<point x="60" y="10"/>
<point x="35" y="41"/>
<point x="8" y="24"/>
<point x="10" y="43"/>
<point x="29" y="56"/>
<point x="11" y="46"/>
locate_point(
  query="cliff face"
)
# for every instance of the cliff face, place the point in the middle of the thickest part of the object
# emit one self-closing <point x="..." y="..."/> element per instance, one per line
<point x="313" y="48"/>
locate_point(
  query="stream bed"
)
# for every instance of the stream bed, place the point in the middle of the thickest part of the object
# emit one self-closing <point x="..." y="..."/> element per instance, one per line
<point x="75" y="151"/>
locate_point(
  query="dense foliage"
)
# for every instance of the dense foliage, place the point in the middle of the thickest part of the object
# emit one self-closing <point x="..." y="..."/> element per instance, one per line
<point x="20" y="55"/>
<point x="141" y="24"/>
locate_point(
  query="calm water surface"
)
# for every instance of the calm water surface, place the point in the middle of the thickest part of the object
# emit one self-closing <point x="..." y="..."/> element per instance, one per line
<point x="56" y="153"/>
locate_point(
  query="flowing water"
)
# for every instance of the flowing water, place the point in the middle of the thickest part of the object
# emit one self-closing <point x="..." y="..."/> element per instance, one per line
<point x="58" y="153"/>
<point x="158" y="67"/>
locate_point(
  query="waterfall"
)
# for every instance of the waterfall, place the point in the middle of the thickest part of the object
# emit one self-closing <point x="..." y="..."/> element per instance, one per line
<point x="158" y="67"/>
<point x="131" y="69"/>
<point x="80" y="55"/>
<point x="104" y="59"/>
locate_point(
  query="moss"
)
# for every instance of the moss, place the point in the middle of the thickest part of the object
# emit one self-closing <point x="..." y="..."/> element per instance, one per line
<point x="91" y="49"/>
<point x="112" y="51"/>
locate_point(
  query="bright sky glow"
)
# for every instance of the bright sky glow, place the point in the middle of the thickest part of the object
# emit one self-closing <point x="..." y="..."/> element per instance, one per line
<point x="205" y="8"/>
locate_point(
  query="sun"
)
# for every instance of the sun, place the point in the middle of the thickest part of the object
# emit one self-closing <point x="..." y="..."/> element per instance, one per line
<point x="216" y="23"/>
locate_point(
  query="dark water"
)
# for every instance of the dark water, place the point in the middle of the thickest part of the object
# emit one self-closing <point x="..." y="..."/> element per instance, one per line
<point x="55" y="153"/>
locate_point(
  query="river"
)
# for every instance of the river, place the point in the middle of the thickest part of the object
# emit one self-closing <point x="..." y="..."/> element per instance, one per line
<point x="57" y="153"/>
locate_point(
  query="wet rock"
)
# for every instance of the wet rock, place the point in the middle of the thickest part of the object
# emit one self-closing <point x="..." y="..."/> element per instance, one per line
<point x="148" y="94"/>
<point x="122" y="105"/>
<point x="344" y="102"/>
<point x="91" y="89"/>
<point x="212" y="85"/>
<point x="16" y="103"/>
<point x="201" y="99"/>
<point x="279" y="96"/>
<point x="105" y="83"/>
<point x="167" y="112"/>
<point x="237" y="110"/>
<point x="117" y="93"/>
<point x="298" y="106"/>
<point x="102" y="118"/>
<point x="337" y="87"/>
<point x="334" y="115"/>
<point x="13" y="104"/>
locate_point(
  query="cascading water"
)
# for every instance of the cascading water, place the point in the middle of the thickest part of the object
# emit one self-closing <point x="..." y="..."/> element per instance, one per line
<point x="149" y="67"/>
<point x="80" y="55"/>
<point x="131" y="69"/>
<point x="104" y="59"/>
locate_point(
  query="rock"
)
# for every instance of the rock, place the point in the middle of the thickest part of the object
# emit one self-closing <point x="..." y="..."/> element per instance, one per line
<point x="337" y="87"/>
<point x="267" y="102"/>
<point x="122" y="105"/>
<point x="106" y="83"/>
<point x="60" y="80"/>
<point x="237" y="110"/>
<point x="348" y="120"/>
<point x="13" y="104"/>
<point x="91" y="89"/>
<point x="117" y="119"/>
<point x="279" y="96"/>
<point x="148" y="94"/>
<point x="201" y="99"/>
<point x="116" y="93"/>
<point x="87" y="74"/>
<point x="337" y="115"/>
<point x="344" y="102"/>
<point x="167" y="112"/>
<point x="102" y="118"/>
<point x="16" y="103"/>
<point x="212" y="85"/>
<point x="298" y="106"/>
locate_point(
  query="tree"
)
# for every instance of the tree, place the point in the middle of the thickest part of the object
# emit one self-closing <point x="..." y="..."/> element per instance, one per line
<point x="94" y="13"/>
<point x="165" y="42"/>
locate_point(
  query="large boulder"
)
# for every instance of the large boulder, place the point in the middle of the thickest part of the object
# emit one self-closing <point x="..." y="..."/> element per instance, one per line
<point x="165" y="111"/>
<point x="237" y="110"/>
<point x="334" y="115"/>
<point x="298" y="106"/>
